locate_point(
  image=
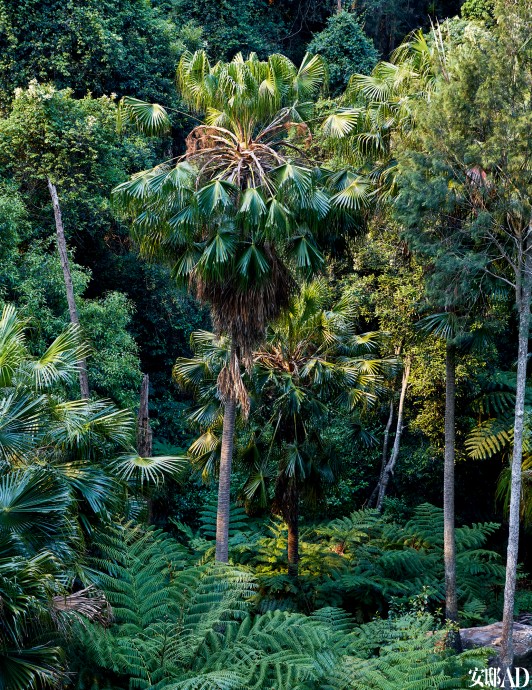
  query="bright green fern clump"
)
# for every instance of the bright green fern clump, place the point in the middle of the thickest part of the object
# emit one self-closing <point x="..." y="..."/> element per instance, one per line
<point x="366" y="563"/>
<point x="195" y="628"/>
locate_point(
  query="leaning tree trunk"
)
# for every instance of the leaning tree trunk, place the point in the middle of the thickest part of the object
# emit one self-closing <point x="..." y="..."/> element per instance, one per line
<point x="384" y="460"/>
<point x="388" y="470"/>
<point x="224" y="483"/>
<point x="449" y="545"/>
<point x="65" y="265"/>
<point x="523" y="305"/>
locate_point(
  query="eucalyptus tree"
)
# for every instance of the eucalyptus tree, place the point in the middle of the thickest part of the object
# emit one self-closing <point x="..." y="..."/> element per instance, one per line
<point x="241" y="209"/>
<point x="472" y="166"/>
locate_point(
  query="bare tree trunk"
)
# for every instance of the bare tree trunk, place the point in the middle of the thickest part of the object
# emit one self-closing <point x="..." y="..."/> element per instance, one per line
<point x="224" y="485"/>
<point x="449" y="545"/>
<point x="523" y="305"/>
<point x="385" y="444"/>
<point x="388" y="470"/>
<point x="145" y="436"/>
<point x="65" y="265"/>
<point x="144" y="432"/>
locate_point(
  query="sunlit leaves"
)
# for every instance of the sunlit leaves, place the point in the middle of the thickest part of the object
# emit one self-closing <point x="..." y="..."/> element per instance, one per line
<point x="341" y="123"/>
<point x="153" y="470"/>
<point x="11" y="344"/>
<point x="61" y="360"/>
<point x="150" y="118"/>
<point x="355" y="196"/>
<point x="311" y="77"/>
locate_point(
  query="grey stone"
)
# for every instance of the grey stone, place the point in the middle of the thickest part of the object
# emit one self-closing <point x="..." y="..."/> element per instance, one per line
<point x="490" y="636"/>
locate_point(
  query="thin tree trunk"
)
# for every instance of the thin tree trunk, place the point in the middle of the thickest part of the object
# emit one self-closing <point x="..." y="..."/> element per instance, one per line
<point x="65" y="265"/>
<point x="523" y="304"/>
<point x="449" y="545"/>
<point x="388" y="470"/>
<point x="385" y="444"/>
<point x="292" y="521"/>
<point x="144" y="432"/>
<point x="145" y="436"/>
<point x="224" y="485"/>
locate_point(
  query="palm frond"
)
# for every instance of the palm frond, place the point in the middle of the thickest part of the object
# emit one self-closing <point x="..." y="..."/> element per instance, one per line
<point x="153" y="470"/>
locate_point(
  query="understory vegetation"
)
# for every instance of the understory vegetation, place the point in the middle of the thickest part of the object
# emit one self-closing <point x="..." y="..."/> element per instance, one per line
<point x="265" y="287"/>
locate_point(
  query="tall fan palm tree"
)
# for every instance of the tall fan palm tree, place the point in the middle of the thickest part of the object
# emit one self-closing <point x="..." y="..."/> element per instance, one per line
<point x="311" y="359"/>
<point x="241" y="208"/>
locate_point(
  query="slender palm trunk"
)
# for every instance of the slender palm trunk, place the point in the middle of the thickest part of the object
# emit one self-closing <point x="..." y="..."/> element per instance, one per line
<point x="65" y="265"/>
<point x="449" y="545"/>
<point x="224" y="484"/>
<point x="523" y="304"/>
<point x="292" y="521"/>
<point x="388" y="470"/>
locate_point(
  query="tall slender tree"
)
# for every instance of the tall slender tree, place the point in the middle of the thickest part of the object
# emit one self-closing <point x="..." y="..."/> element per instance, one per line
<point x="472" y="165"/>
<point x="69" y="287"/>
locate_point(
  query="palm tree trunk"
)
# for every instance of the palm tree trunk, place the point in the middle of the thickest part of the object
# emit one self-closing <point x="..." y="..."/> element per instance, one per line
<point x="523" y="304"/>
<point x="224" y="484"/>
<point x="449" y="545"/>
<point x="388" y="470"/>
<point x="65" y="265"/>
<point x="292" y="521"/>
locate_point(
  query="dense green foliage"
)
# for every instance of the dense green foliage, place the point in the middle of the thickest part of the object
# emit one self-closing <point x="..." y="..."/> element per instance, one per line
<point x="346" y="48"/>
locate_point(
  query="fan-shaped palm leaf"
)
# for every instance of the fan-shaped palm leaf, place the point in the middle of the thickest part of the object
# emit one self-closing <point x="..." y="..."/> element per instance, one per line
<point x="154" y="469"/>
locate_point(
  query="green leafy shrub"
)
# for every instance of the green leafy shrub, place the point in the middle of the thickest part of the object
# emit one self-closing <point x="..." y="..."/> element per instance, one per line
<point x="346" y="48"/>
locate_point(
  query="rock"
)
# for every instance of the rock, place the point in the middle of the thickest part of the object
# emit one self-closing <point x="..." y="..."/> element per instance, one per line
<point x="490" y="636"/>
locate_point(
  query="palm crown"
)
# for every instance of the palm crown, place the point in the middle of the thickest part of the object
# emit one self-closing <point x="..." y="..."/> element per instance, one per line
<point x="242" y="206"/>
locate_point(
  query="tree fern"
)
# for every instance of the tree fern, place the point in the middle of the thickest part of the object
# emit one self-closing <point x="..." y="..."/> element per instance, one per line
<point x="387" y="560"/>
<point x="195" y="628"/>
<point x="406" y="653"/>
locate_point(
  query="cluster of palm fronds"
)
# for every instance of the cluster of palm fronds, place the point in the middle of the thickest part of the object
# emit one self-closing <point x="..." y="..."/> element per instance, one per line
<point x="58" y="479"/>
<point x="243" y="206"/>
